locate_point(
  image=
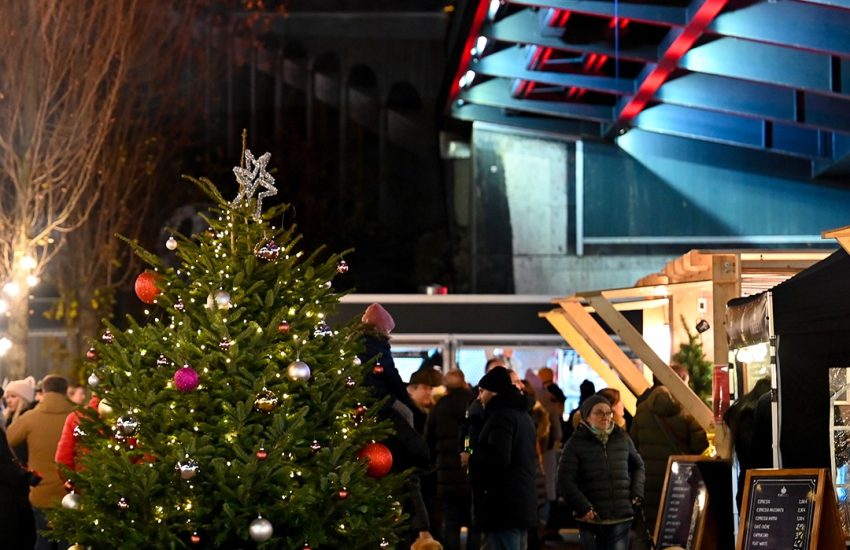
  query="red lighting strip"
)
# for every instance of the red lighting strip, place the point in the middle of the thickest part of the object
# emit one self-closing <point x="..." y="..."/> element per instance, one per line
<point x="466" y="54"/>
<point x="670" y="59"/>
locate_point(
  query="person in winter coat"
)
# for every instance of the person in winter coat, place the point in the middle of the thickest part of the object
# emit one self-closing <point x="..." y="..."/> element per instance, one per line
<point x="407" y="446"/>
<point x="17" y="526"/>
<point x="453" y="505"/>
<point x="502" y="467"/>
<point x="19" y="396"/>
<point x="601" y="476"/>
<point x="740" y="418"/>
<point x="662" y="428"/>
<point x="41" y="429"/>
<point x="67" y="450"/>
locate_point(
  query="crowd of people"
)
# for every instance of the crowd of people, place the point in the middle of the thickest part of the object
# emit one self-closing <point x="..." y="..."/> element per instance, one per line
<point x="502" y="462"/>
<point x="498" y="460"/>
<point x="34" y="415"/>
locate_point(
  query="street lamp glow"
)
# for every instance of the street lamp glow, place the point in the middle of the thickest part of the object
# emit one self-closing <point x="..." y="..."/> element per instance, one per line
<point x="32" y="280"/>
<point x="11" y="289"/>
<point x="5" y="345"/>
<point x="28" y="262"/>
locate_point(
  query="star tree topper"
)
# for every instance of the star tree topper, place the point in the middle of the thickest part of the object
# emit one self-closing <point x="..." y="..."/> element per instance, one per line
<point x="252" y="176"/>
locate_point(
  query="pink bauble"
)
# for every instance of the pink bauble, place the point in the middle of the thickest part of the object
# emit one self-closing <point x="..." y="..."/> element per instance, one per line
<point x="186" y="379"/>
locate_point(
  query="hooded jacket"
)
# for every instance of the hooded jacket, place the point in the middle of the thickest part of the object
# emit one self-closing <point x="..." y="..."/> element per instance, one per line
<point x="503" y="466"/>
<point x="662" y="428"/>
<point x="605" y="477"/>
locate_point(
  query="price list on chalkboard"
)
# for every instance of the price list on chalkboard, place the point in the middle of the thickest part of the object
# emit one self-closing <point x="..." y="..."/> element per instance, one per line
<point x="781" y="513"/>
<point x="683" y="505"/>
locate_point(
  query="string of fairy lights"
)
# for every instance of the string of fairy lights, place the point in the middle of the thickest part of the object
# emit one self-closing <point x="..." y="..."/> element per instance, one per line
<point x="24" y="268"/>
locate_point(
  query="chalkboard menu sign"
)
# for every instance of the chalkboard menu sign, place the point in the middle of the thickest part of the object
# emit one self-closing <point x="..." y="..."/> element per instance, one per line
<point x="695" y="510"/>
<point x="789" y="510"/>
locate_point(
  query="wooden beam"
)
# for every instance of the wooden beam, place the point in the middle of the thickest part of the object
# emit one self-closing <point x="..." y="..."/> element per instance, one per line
<point x="842" y="235"/>
<point x="574" y="338"/>
<point x="661" y="370"/>
<point x="604" y="345"/>
<point x="726" y="286"/>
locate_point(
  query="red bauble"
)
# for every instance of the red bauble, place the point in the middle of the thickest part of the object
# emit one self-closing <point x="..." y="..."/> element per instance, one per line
<point x="195" y="538"/>
<point x="146" y="288"/>
<point x="378" y="457"/>
<point x="262" y="454"/>
<point x="343" y="493"/>
<point x="283" y="327"/>
<point x="378" y="369"/>
<point x="91" y="354"/>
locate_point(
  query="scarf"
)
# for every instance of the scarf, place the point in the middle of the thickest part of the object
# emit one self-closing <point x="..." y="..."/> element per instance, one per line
<point x="601" y="435"/>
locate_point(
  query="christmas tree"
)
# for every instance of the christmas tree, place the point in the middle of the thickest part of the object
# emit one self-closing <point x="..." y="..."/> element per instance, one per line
<point x="234" y="417"/>
<point x="692" y="356"/>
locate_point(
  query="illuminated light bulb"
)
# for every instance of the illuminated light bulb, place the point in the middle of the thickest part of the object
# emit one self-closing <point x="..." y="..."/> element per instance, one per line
<point x="32" y="280"/>
<point x="11" y="289"/>
<point x="28" y="262"/>
<point x="5" y="345"/>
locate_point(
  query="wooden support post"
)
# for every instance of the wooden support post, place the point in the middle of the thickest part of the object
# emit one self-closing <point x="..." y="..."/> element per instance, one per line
<point x="662" y="371"/>
<point x="726" y="285"/>
<point x="604" y="345"/>
<point x="562" y="324"/>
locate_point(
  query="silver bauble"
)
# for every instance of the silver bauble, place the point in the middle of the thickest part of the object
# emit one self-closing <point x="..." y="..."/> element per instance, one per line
<point x="71" y="501"/>
<point x="222" y="299"/>
<point x="171" y="243"/>
<point x="93" y="380"/>
<point x="127" y="425"/>
<point x="322" y="329"/>
<point x="298" y="371"/>
<point x="261" y="529"/>
<point x="187" y="467"/>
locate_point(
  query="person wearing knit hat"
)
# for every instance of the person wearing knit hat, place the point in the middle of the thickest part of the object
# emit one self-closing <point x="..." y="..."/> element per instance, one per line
<point x="503" y="465"/>
<point x="19" y="396"/>
<point x="601" y="476"/>
<point x="497" y="380"/>
<point x="588" y="405"/>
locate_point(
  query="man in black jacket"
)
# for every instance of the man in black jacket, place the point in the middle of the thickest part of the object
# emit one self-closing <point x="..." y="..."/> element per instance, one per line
<point x="452" y="504"/>
<point x="502" y="466"/>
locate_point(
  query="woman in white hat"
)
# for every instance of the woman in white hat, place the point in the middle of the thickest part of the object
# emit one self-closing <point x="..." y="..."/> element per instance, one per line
<point x="19" y="396"/>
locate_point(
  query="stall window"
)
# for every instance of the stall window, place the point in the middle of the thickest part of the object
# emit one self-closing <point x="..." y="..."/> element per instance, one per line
<point x="839" y="421"/>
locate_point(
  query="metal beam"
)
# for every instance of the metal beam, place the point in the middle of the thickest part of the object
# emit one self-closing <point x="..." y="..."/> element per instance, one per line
<point x="511" y="63"/>
<point x="524" y="28"/>
<point x="559" y="127"/>
<point x="728" y="95"/>
<point x="653" y="14"/>
<point x="735" y="58"/>
<point x="794" y="24"/>
<point x="689" y="400"/>
<point x="672" y="48"/>
<point x="497" y="93"/>
<point x="574" y="338"/>
<point x="730" y="129"/>
<point x="756" y="100"/>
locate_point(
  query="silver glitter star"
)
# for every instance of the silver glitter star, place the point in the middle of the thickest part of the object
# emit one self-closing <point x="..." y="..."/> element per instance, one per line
<point x="252" y="176"/>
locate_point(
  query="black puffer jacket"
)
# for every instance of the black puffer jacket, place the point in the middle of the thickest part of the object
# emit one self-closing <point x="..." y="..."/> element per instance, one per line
<point x="441" y="433"/>
<point x="605" y="477"/>
<point x="662" y="428"/>
<point x="503" y="466"/>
